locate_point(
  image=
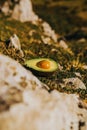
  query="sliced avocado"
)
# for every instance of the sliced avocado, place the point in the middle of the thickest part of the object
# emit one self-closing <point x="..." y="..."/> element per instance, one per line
<point x="42" y="66"/>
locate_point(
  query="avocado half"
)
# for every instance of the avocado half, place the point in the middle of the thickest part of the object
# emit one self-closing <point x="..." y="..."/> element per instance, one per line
<point x="42" y="66"/>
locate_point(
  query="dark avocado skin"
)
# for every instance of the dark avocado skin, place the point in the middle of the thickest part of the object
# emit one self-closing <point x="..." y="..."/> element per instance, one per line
<point x="40" y="73"/>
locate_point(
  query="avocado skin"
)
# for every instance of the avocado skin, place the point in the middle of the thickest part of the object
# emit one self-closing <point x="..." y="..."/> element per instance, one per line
<point x="40" y="73"/>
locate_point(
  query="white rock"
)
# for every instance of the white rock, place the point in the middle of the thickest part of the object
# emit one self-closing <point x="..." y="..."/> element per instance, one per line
<point x="78" y="74"/>
<point x="14" y="75"/>
<point x="84" y="67"/>
<point x="75" y="83"/>
<point x="24" y="12"/>
<point x="49" y="32"/>
<point x="15" y="42"/>
<point x="38" y="109"/>
<point x="63" y="44"/>
<point x="41" y="110"/>
<point x="5" y="9"/>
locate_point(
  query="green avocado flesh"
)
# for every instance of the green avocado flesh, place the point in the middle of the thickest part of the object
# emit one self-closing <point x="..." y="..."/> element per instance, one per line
<point x="33" y="64"/>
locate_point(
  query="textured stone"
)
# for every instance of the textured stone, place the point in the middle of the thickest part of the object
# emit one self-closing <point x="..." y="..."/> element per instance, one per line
<point x="74" y="83"/>
<point x="13" y="74"/>
<point x="25" y="105"/>
<point x="24" y="12"/>
<point x="15" y="42"/>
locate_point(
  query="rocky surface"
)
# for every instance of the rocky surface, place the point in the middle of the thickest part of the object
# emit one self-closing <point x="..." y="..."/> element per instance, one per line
<point x="12" y="76"/>
<point x="13" y="80"/>
<point x="39" y="40"/>
<point x="60" y="103"/>
<point x="23" y="11"/>
<point x="15" y="42"/>
<point x="25" y="103"/>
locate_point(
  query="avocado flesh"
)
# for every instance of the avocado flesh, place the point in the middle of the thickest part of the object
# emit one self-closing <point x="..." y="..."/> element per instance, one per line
<point x="33" y="65"/>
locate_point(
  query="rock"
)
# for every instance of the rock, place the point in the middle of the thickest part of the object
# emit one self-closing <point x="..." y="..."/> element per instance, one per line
<point x="5" y="8"/>
<point x="25" y="105"/>
<point x="24" y="12"/>
<point x="41" y="110"/>
<point x="84" y="67"/>
<point x="15" y="42"/>
<point x="14" y="75"/>
<point x="78" y="74"/>
<point x="49" y="32"/>
<point x="73" y="83"/>
<point x="82" y="40"/>
<point x="63" y="44"/>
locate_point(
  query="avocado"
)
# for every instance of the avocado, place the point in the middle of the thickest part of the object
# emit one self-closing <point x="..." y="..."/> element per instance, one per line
<point x="42" y="66"/>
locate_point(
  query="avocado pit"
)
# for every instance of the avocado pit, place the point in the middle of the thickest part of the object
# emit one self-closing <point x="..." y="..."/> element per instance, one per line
<point x="44" y="64"/>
